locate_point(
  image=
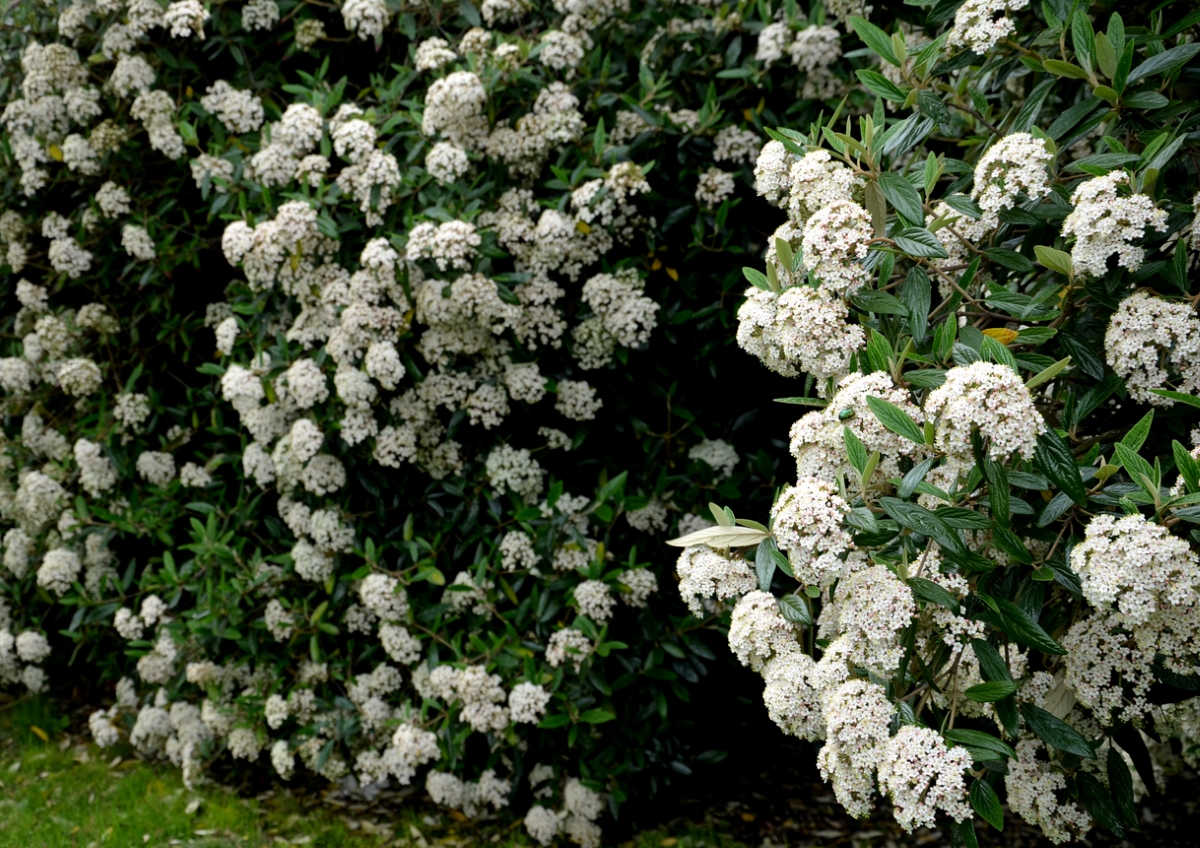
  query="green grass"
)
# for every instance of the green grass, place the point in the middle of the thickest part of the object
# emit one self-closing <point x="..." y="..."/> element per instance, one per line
<point x="56" y="790"/>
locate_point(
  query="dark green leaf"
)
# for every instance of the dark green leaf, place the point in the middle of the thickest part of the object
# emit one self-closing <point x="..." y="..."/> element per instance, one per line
<point x="902" y="137"/>
<point x="961" y="518"/>
<point x="1187" y="466"/>
<point x="881" y="303"/>
<point x="1120" y="781"/>
<point x="915" y="476"/>
<point x="985" y="802"/>
<point x="1054" y="731"/>
<point x="1021" y="627"/>
<point x="1164" y="63"/>
<point x="919" y="242"/>
<point x="991" y="664"/>
<point x="1010" y="259"/>
<point x="1131" y="742"/>
<point x="927" y="590"/>
<point x="879" y="351"/>
<point x="795" y="610"/>
<point x="916" y="294"/>
<point x="979" y="739"/>
<point x="1144" y="100"/>
<point x="1009" y="542"/>
<point x="1098" y="801"/>
<point x="880" y="85"/>
<point x="1179" y="396"/>
<point x="764" y="564"/>
<point x="921" y="520"/>
<point x="964" y="833"/>
<point x="1137" y="435"/>
<point x="596" y="716"/>
<point x="903" y="197"/>
<point x="1072" y="117"/>
<point x="855" y="450"/>
<point x="1055" y="460"/>
<point x="1140" y="471"/>
<point x="991" y="691"/>
<point x="895" y="419"/>
<point x="998" y="494"/>
<point x="1033" y="104"/>
<point x="862" y="520"/>
<point x="875" y="38"/>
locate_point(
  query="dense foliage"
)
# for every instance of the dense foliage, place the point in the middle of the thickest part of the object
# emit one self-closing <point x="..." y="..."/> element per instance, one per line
<point x="349" y="344"/>
<point x="983" y="584"/>
<point x="360" y="356"/>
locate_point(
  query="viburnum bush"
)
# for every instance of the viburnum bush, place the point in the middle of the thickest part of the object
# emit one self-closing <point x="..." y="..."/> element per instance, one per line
<point x="983" y="584"/>
<point x="359" y="356"/>
<point x="356" y="360"/>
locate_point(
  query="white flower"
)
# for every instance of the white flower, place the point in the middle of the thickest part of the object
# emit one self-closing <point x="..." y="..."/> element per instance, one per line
<point x="1135" y="567"/>
<point x="560" y="51"/>
<point x="541" y="823"/>
<point x="807" y="523"/>
<point x="32" y="647"/>
<point x="260" y="14"/>
<point x="834" y="243"/>
<point x="977" y="27"/>
<point x="1148" y="341"/>
<point x="1014" y="165"/>
<point x="432" y="53"/>
<point x="515" y="470"/>
<point x="802" y="330"/>
<point x="238" y="111"/>
<point x="59" y="569"/>
<point x="527" y="702"/>
<point x="446" y="162"/>
<point x="815" y="182"/>
<point x="1103" y="223"/>
<point x="758" y="631"/>
<point x="771" y="171"/>
<point x="185" y="18"/>
<point x="924" y="777"/>
<point x="991" y="398"/>
<point x="1034" y="790"/>
<point x="568" y="645"/>
<point x="366" y="17"/>
<point x="857" y="715"/>
<point x="454" y="108"/>
<point x="704" y="573"/>
<point x="137" y="242"/>
<point x="156" y="468"/>
<point x="873" y="607"/>
<point x="792" y="702"/>
<point x="732" y="144"/>
<point x="818" y="443"/>
<point x="714" y="186"/>
<point x="595" y="600"/>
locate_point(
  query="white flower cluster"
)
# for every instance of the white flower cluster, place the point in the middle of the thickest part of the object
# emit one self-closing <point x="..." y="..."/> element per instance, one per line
<point x="1151" y="343"/>
<point x="1014" y="166"/>
<point x="980" y="24"/>
<point x="717" y="454"/>
<point x="576" y="820"/>
<point x="817" y="440"/>
<point x="990" y="398"/>
<point x="802" y="330"/>
<point x="807" y="522"/>
<point x="1105" y="223"/>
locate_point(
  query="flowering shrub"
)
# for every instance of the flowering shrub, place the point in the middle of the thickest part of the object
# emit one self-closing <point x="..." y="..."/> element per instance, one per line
<point x="358" y="356"/>
<point x="339" y="415"/>
<point x="984" y="581"/>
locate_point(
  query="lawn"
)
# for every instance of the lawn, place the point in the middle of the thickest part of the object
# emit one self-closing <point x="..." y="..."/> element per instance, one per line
<point x="57" y="790"/>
